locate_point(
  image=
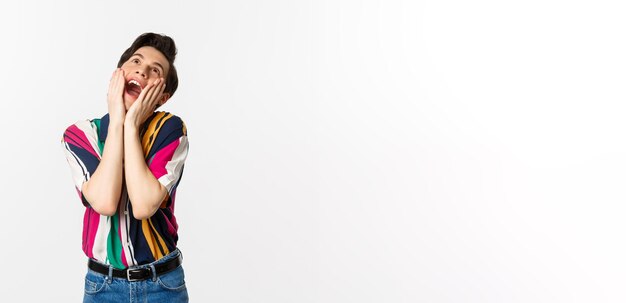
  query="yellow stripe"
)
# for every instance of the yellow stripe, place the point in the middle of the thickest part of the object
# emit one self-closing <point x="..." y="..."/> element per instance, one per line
<point x="149" y="239"/>
<point x="165" y="250"/>
<point x="164" y="203"/>
<point x="152" y="129"/>
<point x="146" y="225"/>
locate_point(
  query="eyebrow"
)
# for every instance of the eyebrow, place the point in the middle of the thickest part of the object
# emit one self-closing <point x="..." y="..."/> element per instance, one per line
<point x="155" y="62"/>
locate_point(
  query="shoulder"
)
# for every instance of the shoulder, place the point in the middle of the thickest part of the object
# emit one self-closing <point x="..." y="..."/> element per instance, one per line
<point x="167" y="124"/>
<point x="80" y="128"/>
<point x="163" y="129"/>
<point x="82" y="139"/>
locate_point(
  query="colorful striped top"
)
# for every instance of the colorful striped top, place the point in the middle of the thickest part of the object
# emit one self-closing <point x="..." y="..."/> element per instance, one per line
<point x="121" y="240"/>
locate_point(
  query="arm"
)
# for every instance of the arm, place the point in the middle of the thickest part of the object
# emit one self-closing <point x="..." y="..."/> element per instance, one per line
<point x="145" y="192"/>
<point x="104" y="188"/>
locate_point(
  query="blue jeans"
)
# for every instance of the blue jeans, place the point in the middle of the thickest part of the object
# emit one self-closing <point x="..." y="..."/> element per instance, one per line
<point x="169" y="287"/>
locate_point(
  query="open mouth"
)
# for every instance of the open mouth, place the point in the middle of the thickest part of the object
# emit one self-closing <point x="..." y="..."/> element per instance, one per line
<point x="133" y="88"/>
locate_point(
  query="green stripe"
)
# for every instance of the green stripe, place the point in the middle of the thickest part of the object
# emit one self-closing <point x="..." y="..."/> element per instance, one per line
<point x="114" y="244"/>
<point x="100" y="143"/>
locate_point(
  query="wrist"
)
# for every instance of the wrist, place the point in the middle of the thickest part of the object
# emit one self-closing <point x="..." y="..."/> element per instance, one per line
<point x="115" y="121"/>
<point x="116" y="126"/>
<point x="117" y="116"/>
<point x="130" y="127"/>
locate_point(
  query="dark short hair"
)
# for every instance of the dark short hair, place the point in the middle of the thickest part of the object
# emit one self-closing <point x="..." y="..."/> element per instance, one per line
<point x="166" y="46"/>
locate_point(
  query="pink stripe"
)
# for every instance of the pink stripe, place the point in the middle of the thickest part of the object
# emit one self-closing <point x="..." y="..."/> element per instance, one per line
<point x="160" y="159"/>
<point x="80" y="139"/>
<point x="171" y="226"/>
<point x="70" y="140"/>
<point x="119" y="232"/>
<point x="91" y="220"/>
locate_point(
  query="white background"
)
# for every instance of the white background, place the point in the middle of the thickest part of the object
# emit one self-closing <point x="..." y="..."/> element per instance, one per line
<point x="340" y="151"/>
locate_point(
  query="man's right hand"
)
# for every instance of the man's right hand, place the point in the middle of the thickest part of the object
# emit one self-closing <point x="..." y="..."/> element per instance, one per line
<point x="115" y="97"/>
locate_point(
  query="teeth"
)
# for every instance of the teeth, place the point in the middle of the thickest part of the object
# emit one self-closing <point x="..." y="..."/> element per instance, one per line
<point x="134" y="82"/>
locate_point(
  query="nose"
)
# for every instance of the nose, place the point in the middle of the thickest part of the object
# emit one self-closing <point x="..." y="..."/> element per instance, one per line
<point x="141" y="71"/>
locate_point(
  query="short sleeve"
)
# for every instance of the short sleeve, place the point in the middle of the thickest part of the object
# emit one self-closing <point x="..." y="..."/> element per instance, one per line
<point x="167" y="159"/>
<point x="81" y="152"/>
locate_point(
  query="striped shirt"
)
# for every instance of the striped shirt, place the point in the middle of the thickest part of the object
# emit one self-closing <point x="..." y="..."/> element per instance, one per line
<point x="121" y="240"/>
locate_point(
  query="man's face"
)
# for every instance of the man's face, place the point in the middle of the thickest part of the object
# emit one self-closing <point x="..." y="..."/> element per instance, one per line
<point x="145" y="66"/>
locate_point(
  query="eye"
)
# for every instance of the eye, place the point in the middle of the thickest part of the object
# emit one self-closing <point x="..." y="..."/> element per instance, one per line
<point x="156" y="70"/>
<point x="135" y="61"/>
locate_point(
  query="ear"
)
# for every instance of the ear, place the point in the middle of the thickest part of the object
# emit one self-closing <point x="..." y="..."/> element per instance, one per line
<point x="164" y="99"/>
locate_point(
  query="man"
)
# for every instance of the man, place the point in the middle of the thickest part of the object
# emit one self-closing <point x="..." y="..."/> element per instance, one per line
<point x="126" y="167"/>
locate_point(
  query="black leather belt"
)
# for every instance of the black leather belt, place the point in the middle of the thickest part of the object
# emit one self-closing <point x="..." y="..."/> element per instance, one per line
<point x="136" y="274"/>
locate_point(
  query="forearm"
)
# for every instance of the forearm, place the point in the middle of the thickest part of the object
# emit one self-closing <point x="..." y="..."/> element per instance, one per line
<point x="144" y="190"/>
<point x="103" y="189"/>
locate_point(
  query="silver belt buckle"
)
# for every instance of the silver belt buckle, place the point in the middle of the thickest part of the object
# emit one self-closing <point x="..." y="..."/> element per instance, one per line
<point x="128" y="275"/>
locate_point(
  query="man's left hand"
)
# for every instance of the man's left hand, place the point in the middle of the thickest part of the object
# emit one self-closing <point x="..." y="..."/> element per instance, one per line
<point x="146" y="104"/>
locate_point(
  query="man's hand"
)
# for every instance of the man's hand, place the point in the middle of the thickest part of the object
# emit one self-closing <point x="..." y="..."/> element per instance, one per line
<point x="145" y="104"/>
<point x="115" y="96"/>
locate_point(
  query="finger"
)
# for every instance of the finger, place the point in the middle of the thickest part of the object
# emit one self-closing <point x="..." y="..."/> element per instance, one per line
<point x="151" y="94"/>
<point x="119" y="78"/>
<point x="144" y="92"/>
<point x="119" y="85"/>
<point x="114" y="83"/>
<point x="122" y="78"/>
<point x="121" y="74"/>
<point x="158" y="93"/>
<point x="148" y="95"/>
<point x="156" y="102"/>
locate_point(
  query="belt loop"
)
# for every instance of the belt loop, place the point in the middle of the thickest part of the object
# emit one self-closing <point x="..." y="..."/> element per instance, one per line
<point x="110" y="276"/>
<point x="154" y="273"/>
